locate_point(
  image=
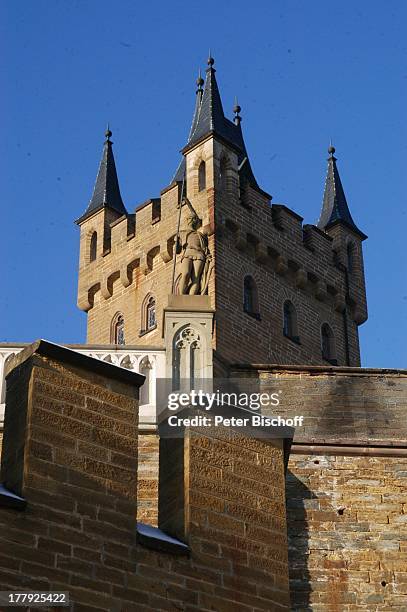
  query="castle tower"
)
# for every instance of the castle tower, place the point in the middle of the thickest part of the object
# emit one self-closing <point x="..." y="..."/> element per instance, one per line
<point x="336" y="220"/>
<point x="281" y="291"/>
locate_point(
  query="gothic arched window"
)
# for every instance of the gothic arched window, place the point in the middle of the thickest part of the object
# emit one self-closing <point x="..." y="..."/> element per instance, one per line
<point x="202" y="176"/>
<point x="328" y="344"/>
<point x="187" y="358"/>
<point x="93" y="246"/>
<point x="290" y="328"/>
<point x="145" y="370"/>
<point x="148" y="314"/>
<point x="151" y="318"/>
<point x="250" y="297"/>
<point x="117" y="335"/>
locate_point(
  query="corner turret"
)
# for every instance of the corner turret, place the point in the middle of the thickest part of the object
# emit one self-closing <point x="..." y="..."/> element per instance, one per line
<point x="106" y="193"/>
<point x="336" y="220"/>
<point x="335" y="207"/>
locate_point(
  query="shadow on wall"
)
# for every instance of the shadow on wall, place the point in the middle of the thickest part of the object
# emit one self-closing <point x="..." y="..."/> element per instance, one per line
<point x="299" y="499"/>
<point x="354" y="411"/>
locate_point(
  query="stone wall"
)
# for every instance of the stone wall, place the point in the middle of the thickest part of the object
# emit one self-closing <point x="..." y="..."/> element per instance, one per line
<point x="346" y="485"/>
<point x="347" y="525"/>
<point x="74" y="468"/>
<point x="147" y="481"/>
<point x="137" y="264"/>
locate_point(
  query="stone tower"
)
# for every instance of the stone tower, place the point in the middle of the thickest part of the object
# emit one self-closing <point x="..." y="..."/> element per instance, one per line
<point x="282" y="291"/>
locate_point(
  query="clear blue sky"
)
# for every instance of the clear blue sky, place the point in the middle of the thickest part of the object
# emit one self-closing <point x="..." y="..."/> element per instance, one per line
<point x="303" y="72"/>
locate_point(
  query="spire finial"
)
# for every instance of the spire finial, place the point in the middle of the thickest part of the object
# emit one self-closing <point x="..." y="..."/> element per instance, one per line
<point x="199" y="81"/>
<point x="331" y="148"/>
<point x="211" y="61"/>
<point x="236" y="110"/>
<point x="108" y="133"/>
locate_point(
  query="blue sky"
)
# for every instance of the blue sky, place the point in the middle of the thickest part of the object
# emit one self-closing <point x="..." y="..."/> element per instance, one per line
<point x="303" y="72"/>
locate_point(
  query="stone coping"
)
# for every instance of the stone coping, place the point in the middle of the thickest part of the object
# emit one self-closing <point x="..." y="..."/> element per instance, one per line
<point x="91" y="347"/>
<point x="275" y="367"/>
<point x="66" y="355"/>
<point x="188" y="303"/>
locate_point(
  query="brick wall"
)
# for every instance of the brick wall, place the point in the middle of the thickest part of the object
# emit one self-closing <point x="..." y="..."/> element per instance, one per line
<point x="77" y="471"/>
<point x="229" y="502"/>
<point x="136" y="266"/>
<point x="77" y="468"/>
<point x="270" y="244"/>
<point x="147" y="482"/>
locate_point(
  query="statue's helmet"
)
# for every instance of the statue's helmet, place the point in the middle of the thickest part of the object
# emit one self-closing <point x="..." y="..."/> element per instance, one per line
<point x="193" y="220"/>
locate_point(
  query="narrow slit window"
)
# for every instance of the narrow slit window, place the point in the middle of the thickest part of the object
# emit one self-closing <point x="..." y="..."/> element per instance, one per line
<point x="290" y="329"/>
<point x="118" y="330"/>
<point x="93" y="246"/>
<point x="328" y="344"/>
<point x="202" y="176"/>
<point x="151" y="314"/>
<point x="250" y="297"/>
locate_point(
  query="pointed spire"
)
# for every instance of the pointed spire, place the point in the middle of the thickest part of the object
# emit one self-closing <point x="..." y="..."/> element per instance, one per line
<point x="180" y="171"/>
<point x="106" y="192"/>
<point x="335" y="207"/>
<point x="198" y="101"/>
<point x="209" y="119"/>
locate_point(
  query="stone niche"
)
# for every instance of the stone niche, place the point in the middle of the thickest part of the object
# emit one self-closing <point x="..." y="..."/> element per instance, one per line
<point x="188" y="323"/>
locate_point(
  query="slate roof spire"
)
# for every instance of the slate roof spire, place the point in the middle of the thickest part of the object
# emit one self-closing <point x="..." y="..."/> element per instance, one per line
<point x="180" y="171"/>
<point x="334" y="206"/>
<point x="208" y="119"/>
<point x="106" y="192"/>
<point x="211" y="118"/>
<point x="198" y="101"/>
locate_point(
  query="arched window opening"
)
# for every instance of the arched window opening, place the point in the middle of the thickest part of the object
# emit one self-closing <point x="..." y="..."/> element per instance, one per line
<point x="328" y="344"/>
<point x="350" y="254"/>
<point x="290" y="329"/>
<point x="187" y="359"/>
<point x="93" y="246"/>
<point x="118" y="330"/>
<point x="145" y="370"/>
<point x="151" y="318"/>
<point x="250" y="297"/>
<point x="202" y="176"/>
<point x="148" y="314"/>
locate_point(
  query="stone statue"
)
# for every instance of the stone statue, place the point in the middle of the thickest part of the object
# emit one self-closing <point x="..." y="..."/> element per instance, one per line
<point x="195" y="264"/>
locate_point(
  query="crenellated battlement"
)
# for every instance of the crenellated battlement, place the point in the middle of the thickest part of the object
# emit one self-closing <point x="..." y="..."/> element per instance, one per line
<point x="137" y="239"/>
